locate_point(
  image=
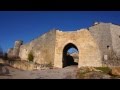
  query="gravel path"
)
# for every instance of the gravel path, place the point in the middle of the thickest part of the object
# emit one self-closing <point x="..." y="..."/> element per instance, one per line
<point x="12" y="73"/>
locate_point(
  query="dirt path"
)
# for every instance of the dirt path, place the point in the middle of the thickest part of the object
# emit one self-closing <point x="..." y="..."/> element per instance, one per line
<point x="12" y="73"/>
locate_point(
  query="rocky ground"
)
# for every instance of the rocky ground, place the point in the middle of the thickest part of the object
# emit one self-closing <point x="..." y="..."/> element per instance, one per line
<point x="8" y="72"/>
<point x="70" y="72"/>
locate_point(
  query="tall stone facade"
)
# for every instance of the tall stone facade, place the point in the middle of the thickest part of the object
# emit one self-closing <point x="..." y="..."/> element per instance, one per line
<point x="93" y="44"/>
<point x="107" y="36"/>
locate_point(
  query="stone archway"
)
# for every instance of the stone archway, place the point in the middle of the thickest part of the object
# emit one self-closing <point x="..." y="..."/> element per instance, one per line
<point x="89" y="52"/>
<point x="67" y="58"/>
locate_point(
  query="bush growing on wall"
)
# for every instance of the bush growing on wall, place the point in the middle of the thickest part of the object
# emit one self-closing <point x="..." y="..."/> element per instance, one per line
<point x="30" y="56"/>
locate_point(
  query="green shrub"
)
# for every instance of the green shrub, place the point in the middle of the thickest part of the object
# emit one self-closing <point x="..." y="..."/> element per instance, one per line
<point x="30" y="56"/>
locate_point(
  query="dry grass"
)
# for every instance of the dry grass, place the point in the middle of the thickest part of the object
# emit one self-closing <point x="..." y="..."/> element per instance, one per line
<point x="93" y="73"/>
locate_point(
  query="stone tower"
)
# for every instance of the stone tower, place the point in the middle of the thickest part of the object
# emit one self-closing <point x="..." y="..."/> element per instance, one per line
<point x="10" y="52"/>
<point x="16" y="49"/>
<point x="14" y="52"/>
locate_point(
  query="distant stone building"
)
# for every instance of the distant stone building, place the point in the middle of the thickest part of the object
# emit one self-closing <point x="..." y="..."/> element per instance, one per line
<point x="98" y="45"/>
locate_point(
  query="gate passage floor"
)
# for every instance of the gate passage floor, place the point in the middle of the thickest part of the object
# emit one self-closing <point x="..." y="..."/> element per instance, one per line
<point x="7" y="72"/>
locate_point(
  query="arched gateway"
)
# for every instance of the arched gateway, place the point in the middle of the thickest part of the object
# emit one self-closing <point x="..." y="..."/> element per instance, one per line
<point x="89" y="53"/>
<point x="67" y="58"/>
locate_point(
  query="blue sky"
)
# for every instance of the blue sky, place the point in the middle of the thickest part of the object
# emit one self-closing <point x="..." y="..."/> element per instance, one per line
<point x="27" y="25"/>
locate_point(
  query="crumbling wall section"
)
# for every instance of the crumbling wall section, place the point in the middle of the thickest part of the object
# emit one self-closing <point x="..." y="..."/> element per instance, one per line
<point x="42" y="48"/>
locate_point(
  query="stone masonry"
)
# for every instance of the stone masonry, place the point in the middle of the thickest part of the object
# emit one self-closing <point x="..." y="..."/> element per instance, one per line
<point x="93" y="44"/>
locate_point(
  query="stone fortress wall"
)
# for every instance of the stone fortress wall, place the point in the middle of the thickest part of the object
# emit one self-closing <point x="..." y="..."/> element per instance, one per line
<point x="107" y="36"/>
<point x="93" y="45"/>
<point x="42" y="48"/>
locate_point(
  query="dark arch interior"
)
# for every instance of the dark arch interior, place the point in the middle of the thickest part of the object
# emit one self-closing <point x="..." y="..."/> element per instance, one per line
<point x="68" y="59"/>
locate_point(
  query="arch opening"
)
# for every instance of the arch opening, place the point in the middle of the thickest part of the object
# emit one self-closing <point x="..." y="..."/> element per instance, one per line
<point x="70" y="55"/>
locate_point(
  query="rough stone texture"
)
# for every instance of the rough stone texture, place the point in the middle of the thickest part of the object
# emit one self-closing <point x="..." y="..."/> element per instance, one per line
<point x="89" y="54"/>
<point x="93" y="43"/>
<point x="96" y="75"/>
<point x="102" y="35"/>
<point x="17" y="48"/>
<point x="42" y="48"/>
<point x="107" y="36"/>
<point x="22" y="65"/>
<point x="91" y="73"/>
<point x="115" y="71"/>
<point x="14" y="52"/>
<point x="10" y="52"/>
<point x="115" y="33"/>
